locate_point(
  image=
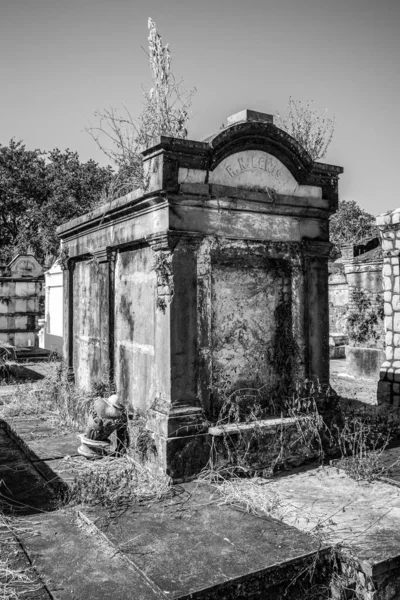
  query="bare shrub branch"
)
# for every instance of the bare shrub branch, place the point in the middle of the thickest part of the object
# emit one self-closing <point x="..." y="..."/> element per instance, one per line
<point x="166" y="112"/>
<point x="313" y="131"/>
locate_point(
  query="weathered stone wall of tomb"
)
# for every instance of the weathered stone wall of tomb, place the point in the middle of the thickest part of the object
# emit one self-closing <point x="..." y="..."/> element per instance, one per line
<point x="137" y="377"/>
<point x="90" y="322"/>
<point x="389" y="378"/>
<point x="251" y="317"/>
<point x="21" y="301"/>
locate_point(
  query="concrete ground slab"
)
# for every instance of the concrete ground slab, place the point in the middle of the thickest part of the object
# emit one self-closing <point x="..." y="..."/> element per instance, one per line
<point x="194" y="546"/>
<point x="31" y="426"/>
<point x="22" y="489"/>
<point x="29" y="587"/>
<point x="78" y="563"/>
<point x="363" y="518"/>
<point x="41" y="440"/>
<point x="55" y="447"/>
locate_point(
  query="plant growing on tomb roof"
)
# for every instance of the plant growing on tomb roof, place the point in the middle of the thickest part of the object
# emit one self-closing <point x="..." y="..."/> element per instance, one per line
<point x="313" y="131"/>
<point x="165" y="112"/>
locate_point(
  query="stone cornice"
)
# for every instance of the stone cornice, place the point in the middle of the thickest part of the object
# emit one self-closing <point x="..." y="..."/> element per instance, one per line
<point x="115" y="213"/>
<point x="164" y="159"/>
<point x="264" y="201"/>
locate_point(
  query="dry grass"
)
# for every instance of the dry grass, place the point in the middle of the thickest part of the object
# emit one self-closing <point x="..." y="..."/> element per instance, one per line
<point x="26" y="400"/>
<point x="16" y="579"/>
<point x="113" y="482"/>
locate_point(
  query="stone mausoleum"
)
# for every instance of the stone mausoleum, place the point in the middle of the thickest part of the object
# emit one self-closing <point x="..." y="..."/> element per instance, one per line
<point x="211" y="279"/>
<point x="21" y="301"/>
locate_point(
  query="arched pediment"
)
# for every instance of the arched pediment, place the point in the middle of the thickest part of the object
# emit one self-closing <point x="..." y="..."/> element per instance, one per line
<point x="250" y="153"/>
<point x="256" y="169"/>
<point x="265" y="137"/>
<point x="25" y="265"/>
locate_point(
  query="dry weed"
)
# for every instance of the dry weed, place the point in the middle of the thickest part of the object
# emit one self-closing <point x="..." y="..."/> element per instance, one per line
<point x="113" y="482"/>
<point x="16" y="581"/>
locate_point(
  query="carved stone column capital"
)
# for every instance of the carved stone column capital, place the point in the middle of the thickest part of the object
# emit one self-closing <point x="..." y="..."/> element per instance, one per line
<point x="100" y="255"/>
<point x="317" y="249"/>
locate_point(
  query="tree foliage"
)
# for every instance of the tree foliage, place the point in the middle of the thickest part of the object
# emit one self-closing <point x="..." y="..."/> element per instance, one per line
<point x="351" y="224"/>
<point x="313" y="131"/>
<point x="166" y="112"/>
<point x="39" y="191"/>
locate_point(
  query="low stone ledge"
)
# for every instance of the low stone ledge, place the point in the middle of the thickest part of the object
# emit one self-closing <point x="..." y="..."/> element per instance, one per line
<point x="272" y="423"/>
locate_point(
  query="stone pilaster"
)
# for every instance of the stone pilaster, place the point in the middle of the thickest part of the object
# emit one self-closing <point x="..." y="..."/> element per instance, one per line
<point x="111" y="257"/>
<point x="178" y="423"/>
<point x="317" y="311"/>
<point x="389" y="379"/>
<point x="68" y="266"/>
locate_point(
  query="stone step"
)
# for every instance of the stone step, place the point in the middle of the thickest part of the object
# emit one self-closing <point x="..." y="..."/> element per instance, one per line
<point x="361" y="519"/>
<point x="76" y="561"/>
<point x="31" y="352"/>
<point x="193" y="545"/>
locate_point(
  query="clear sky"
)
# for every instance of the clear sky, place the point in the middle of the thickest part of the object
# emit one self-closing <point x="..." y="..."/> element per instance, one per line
<point x="60" y="60"/>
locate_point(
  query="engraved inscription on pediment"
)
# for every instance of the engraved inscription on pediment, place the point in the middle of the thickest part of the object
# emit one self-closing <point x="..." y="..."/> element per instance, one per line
<point x="257" y="170"/>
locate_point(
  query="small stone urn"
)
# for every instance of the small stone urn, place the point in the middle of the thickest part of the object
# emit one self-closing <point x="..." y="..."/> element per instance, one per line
<point x="105" y="416"/>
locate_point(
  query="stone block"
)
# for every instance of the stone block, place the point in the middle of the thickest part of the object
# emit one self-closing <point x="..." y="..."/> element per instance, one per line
<point x="387" y="245"/>
<point x="389" y="324"/>
<point x="396" y="340"/>
<point x="387" y="284"/>
<point x="396" y="363"/>
<point x="395" y="218"/>
<point x="389" y="353"/>
<point x="396" y="285"/>
<point x="396" y="269"/>
<point x="390" y="374"/>
<point x="388" y="310"/>
<point x="396" y="302"/>
<point x="396" y="357"/>
<point x="396" y="323"/>
<point x="387" y="296"/>
<point x="387" y="270"/>
<point x="389" y="338"/>
<point x="396" y="401"/>
<point x="384" y="219"/>
<point x="396" y="388"/>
